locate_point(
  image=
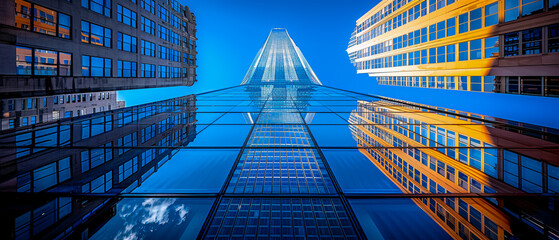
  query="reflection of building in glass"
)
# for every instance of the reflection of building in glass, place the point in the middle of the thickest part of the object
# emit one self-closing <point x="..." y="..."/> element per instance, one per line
<point x="506" y="46"/>
<point x="20" y="112"/>
<point x="108" y="152"/>
<point x="435" y="152"/>
<point x="72" y="46"/>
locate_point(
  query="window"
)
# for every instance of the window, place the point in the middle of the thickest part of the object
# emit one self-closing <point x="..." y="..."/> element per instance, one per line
<point x="30" y="61"/>
<point x="163" y="32"/>
<point x="96" y="66"/>
<point x="126" y="16"/>
<point x="176" y="21"/>
<point x="531" y="85"/>
<point x="126" y="43"/>
<point x="163" y="13"/>
<point x="98" y="6"/>
<point x="102" y="184"/>
<point x="511" y="44"/>
<point x="51" y="174"/>
<point x="127" y="169"/>
<point x="475" y="84"/>
<point x="45" y="20"/>
<point x="512" y="10"/>
<point x="475" y="49"/>
<point x="96" y="156"/>
<point x="491" y="47"/>
<point x="531" y="175"/>
<point x="532" y="41"/>
<point x="450" y="27"/>
<point x="451" y="53"/>
<point x="553" y="38"/>
<point x="463" y="83"/>
<point x="492" y="14"/>
<point x="432" y="55"/>
<point x="441" y="29"/>
<point x="95" y="34"/>
<point x="488" y="85"/>
<point x="512" y="84"/>
<point x="441" y="55"/>
<point x="164" y="52"/>
<point x="147" y="48"/>
<point x="147" y="25"/>
<point x="148" y="70"/>
<point x="130" y="140"/>
<point x="463" y="51"/>
<point x="148" y="5"/>
<point x="127" y="69"/>
<point x="463" y="23"/>
<point x="450" y="85"/>
<point x="530" y="7"/>
<point x="164" y="72"/>
<point x="553" y="4"/>
<point x="475" y="19"/>
<point x="433" y="32"/>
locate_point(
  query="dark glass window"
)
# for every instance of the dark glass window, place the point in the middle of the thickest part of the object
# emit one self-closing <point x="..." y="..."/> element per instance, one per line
<point x="164" y="72"/>
<point x="553" y="4"/>
<point x="96" y="66"/>
<point x="552" y="89"/>
<point x="475" y="83"/>
<point x="532" y="41"/>
<point x="127" y="69"/>
<point x="95" y="34"/>
<point x="163" y="33"/>
<point x="511" y="44"/>
<point x="531" y="85"/>
<point x="553" y="38"/>
<point x="530" y="7"/>
<point x="512" y="85"/>
<point x="98" y="6"/>
<point x="126" y="16"/>
<point x="127" y="43"/>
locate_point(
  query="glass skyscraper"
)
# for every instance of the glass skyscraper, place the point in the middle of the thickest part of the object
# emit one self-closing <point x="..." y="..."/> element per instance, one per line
<point x="280" y="156"/>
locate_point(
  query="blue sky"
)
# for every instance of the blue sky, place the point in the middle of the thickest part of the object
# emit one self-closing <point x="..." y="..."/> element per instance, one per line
<point x="230" y="33"/>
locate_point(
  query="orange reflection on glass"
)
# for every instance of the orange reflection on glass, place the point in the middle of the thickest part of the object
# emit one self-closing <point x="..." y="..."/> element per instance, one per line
<point x="23" y="15"/>
<point x="44" y="20"/>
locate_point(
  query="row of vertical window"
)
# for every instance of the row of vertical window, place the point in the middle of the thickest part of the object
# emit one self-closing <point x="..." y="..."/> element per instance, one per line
<point x="398" y="21"/>
<point x="482" y="156"/>
<point x="529" y="41"/>
<point x="515" y="9"/>
<point x="465" y="83"/>
<point x="40" y="19"/>
<point x="381" y="14"/>
<point x="472" y="50"/>
<point x="466" y="22"/>
<point x="532" y="85"/>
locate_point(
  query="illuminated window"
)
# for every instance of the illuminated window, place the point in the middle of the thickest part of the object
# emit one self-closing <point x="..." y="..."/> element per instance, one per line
<point x="451" y="53"/>
<point x="475" y="49"/>
<point x="475" y="19"/>
<point x="463" y="51"/>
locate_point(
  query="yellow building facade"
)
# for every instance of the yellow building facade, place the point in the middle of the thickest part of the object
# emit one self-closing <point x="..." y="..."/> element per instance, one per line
<point x="505" y="46"/>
